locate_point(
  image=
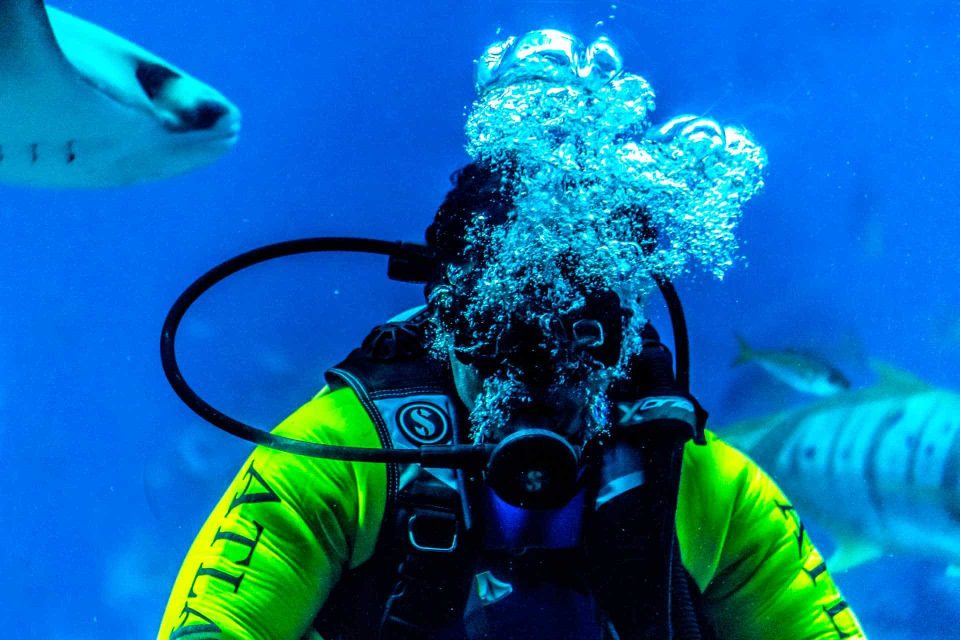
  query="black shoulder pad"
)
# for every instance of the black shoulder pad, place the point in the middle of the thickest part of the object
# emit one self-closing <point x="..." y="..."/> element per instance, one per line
<point x="393" y="359"/>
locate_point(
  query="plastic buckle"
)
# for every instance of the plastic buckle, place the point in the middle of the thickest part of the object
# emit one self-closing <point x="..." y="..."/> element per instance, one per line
<point x="428" y="530"/>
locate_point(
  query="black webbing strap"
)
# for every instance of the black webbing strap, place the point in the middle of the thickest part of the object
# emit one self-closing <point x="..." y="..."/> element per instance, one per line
<point x="434" y="577"/>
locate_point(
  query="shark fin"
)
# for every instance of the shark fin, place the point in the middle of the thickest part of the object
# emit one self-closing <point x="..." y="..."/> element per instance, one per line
<point x="894" y="377"/>
<point x="745" y="354"/>
<point x="746" y="434"/>
<point x="853" y="553"/>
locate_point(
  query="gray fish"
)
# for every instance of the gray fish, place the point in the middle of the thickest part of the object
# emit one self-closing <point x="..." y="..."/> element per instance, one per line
<point x="879" y="468"/>
<point x="802" y="371"/>
<point x="82" y="107"/>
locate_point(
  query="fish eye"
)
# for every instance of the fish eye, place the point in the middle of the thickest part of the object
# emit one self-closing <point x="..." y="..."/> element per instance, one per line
<point x="152" y="77"/>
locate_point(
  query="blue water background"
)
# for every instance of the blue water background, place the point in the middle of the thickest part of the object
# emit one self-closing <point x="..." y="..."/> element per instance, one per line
<point x="353" y="120"/>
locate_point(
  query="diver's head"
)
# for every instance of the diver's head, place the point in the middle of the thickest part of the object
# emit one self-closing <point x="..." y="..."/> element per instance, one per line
<point x="536" y="360"/>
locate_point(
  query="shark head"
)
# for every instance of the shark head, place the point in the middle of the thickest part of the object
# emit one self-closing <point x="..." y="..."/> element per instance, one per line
<point x="84" y="107"/>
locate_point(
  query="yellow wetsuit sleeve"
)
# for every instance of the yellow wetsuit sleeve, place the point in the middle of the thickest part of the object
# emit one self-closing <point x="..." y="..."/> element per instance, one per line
<point x="746" y="547"/>
<point x="283" y="533"/>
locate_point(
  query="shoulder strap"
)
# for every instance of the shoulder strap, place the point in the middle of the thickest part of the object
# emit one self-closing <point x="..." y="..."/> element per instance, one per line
<point x="406" y="392"/>
<point x="393" y="359"/>
<point x="423" y="550"/>
<point x="438" y="553"/>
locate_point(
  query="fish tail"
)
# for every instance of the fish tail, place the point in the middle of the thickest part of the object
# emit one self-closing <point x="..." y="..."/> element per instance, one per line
<point x="745" y="354"/>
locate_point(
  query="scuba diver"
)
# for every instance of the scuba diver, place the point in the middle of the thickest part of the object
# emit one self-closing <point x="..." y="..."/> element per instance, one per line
<point x="520" y="457"/>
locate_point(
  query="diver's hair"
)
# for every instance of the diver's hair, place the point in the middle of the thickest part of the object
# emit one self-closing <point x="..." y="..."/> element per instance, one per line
<point x="478" y="191"/>
<point x="482" y="191"/>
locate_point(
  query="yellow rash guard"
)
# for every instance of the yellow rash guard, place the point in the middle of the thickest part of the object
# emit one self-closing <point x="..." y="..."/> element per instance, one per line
<point x="289" y="526"/>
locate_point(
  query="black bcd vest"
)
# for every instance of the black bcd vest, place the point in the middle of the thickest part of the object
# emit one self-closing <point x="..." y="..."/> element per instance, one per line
<point x="452" y="562"/>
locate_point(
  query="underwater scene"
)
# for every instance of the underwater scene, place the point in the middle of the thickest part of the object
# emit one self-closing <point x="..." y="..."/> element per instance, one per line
<point x="786" y="168"/>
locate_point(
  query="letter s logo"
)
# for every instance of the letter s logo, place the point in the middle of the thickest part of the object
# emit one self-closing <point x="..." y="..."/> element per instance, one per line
<point x="423" y="423"/>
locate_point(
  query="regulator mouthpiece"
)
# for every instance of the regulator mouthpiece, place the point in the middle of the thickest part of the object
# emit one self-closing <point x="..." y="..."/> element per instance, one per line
<point x="534" y="469"/>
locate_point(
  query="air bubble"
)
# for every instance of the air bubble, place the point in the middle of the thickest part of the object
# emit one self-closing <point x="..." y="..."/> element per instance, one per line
<point x="594" y="175"/>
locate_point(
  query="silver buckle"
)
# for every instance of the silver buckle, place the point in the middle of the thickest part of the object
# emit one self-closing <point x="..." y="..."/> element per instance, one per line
<point x="430" y="548"/>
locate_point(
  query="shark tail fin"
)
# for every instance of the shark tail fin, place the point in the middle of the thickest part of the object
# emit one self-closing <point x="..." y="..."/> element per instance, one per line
<point x="852" y="552"/>
<point x="745" y="435"/>
<point x="746" y="353"/>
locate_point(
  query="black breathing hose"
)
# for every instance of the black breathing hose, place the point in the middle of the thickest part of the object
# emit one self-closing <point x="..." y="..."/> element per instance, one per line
<point x="409" y="262"/>
<point x="686" y="625"/>
<point x="681" y="344"/>
<point x="430" y="456"/>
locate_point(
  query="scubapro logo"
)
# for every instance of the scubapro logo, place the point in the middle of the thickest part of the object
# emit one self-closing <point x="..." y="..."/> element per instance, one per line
<point x="423" y="423"/>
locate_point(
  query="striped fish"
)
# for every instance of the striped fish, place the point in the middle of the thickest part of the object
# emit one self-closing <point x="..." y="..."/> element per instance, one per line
<point x="879" y="468"/>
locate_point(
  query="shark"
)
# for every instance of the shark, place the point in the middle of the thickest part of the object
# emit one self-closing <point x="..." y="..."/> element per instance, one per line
<point x="81" y="107"/>
<point x="878" y="467"/>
